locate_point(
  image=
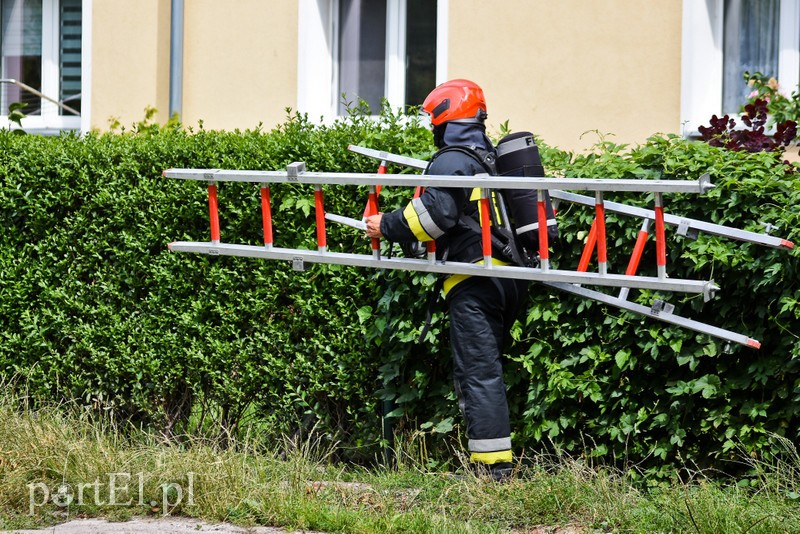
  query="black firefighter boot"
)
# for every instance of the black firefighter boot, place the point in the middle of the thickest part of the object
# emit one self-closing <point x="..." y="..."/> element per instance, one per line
<point x="497" y="472"/>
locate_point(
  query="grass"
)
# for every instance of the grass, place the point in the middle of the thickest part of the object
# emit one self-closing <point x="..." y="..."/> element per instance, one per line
<point x="298" y="487"/>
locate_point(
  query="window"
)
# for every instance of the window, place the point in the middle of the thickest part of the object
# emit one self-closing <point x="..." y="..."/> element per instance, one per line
<point x="41" y="48"/>
<point x="362" y="51"/>
<point x="420" y="51"/>
<point x="724" y="38"/>
<point x="750" y="44"/>
<point x="70" y="54"/>
<point x="368" y="50"/>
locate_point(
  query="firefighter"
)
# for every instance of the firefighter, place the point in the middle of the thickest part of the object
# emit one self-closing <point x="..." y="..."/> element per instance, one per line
<point x="481" y="309"/>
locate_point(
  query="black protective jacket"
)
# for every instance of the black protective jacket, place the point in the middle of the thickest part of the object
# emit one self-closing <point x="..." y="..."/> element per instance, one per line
<point x="436" y="214"/>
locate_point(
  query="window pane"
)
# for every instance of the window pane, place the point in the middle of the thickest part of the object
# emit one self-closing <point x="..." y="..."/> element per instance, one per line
<point x="420" y="50"/>
<point x="750" y="44"/>
<point x="70" y="50"/>
<point x="21" y="46"/>
<point x="362" y="52"/>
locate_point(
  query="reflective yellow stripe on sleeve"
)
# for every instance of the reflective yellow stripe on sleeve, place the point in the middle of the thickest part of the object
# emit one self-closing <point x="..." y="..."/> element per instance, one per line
<point x="414" y="224"/>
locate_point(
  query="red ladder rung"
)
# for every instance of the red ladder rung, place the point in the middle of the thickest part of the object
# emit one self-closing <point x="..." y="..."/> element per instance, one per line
<point x="588" y="248"/>
<point x="638" y="249"/>
<point x="266" y="215"/>
<point x="661" y="242"/>
<point x="600" y="218"/>
<point x="213" y="211"/>
<point x="322" y="242"/>
<point x="486" y="237"/>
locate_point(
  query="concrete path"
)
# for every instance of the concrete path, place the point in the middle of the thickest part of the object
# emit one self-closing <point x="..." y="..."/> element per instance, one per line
<point x="167" y="525"/>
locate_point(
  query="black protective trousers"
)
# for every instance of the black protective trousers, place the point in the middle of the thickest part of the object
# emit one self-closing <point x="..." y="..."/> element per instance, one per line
<point x="482" y="311"/>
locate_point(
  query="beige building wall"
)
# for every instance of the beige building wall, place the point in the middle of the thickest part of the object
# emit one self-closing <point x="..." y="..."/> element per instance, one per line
<point x="557" y="68"/>
<point x="130" y="61"/>
<point x="561" y="68"/>
<point x="240" y="62"/>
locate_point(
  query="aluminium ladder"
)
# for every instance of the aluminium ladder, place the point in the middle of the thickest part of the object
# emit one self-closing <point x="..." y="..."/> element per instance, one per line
<point x="566" y="280"/>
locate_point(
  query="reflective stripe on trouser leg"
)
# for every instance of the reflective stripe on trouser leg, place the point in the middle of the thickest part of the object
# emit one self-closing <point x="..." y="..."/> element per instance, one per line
<point x="492" y="457"/>
<point x="489" y="445"/>
<point x="481" y="312"/>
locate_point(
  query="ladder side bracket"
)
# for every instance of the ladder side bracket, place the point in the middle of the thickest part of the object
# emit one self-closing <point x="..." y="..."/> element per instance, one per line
<point x="661" y="307"/>
<point x="294" y="170"/>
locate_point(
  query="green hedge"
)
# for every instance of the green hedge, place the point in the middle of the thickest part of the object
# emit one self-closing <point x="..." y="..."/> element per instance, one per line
<point x="93" y="307"/>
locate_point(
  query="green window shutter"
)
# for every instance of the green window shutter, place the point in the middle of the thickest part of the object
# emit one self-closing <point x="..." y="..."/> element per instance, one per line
<point x="70" y="48"/>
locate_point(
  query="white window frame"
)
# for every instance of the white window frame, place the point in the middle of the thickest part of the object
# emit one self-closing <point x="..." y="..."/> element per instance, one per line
<point x="317" y="65"/>
<point x="702" y="51"/>
<point x="50" y="121"/>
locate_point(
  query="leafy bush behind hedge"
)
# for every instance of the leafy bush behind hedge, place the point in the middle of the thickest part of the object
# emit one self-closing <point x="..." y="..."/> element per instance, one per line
<point x="94" y="308"/>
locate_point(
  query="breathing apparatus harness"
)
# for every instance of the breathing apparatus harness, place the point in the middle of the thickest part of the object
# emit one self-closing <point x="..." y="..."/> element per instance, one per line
<point x="516" y="155"/>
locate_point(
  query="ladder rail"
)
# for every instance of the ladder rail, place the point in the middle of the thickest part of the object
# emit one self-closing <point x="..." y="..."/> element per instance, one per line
<point x="411" y="180"/>
<point x="550" y="278"/>
<point x="653" y="312"/>
<point x="301" y="256"/>
<point x="718" y="230"/>
<point x="615" y="207"/>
